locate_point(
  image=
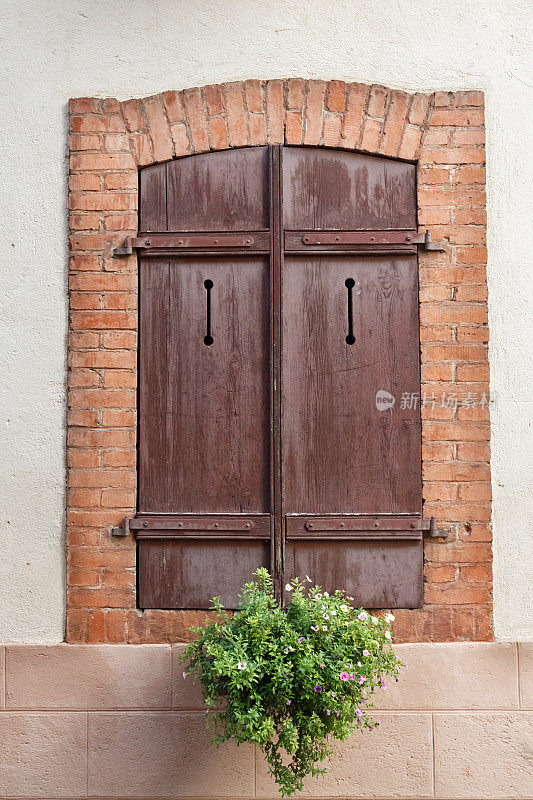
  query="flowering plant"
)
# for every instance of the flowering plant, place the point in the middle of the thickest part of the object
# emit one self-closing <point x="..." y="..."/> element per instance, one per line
<point x="291" y="678"/>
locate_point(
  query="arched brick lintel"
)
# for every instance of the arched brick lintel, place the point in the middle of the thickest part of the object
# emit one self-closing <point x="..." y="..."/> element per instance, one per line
<point x="109" y="140"/>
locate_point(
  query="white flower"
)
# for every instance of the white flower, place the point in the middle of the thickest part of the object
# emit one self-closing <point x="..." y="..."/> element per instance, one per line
<point x="324" y="627"/>
<point x="333" y="612"/>
<point x="359" y="664"/>
<point x="288" y="587"/>
<point x="387" y="635"/>
<point x="314" y="627"/>
<point x="390" y="617"/>
<point x="326" y="616"/>
<point x="345" y="608"/>
<point x="286" y="650"/>
<point x="349" y="598"/>
<point x="326" y="594"/>
<point x="318" y="596"/>
<point x="366" y="653"/>
<point x="375" y="620"/>
<point x="362" y="615"/>
<point x="241" y="665"/>
<point x="308" y="579"/>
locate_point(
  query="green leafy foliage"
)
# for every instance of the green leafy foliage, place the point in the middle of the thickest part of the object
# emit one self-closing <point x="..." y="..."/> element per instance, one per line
<point x="291" y="679"/>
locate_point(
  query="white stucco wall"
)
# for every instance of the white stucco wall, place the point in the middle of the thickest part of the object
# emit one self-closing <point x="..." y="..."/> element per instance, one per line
<point x="130" y="48"/>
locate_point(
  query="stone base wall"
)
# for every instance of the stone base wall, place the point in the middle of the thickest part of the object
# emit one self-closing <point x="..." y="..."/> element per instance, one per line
<point x="119" y="721"/>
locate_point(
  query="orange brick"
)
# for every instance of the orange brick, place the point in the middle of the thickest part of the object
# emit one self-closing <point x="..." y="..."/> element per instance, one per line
<point x="121" y="379"/>
<point x="142" y="148"/>
<point x="180" y="137"/>
<point x="392" y="131"/>
<point x="275" y="112"/>
<point x="377" y="102"/>
<point x="119" y="340"/>
<point x="101" y="161"/>
<point x="218" y="133"/>
<point x="418" y="109"/>
<point x="84" y="182"/>
<point x="257" y="129"/>
<point x="336" y="96"/>
<point x="97" y="359"/>
<point x="103" y="319"/>
<point x="117" y="418"/>
<point x="213" y="100"/>
<point x="440" y="574"/>
<point x="84" y="141"/>
<point x="477" y="491"/>
<point x="355" y="103"/>
<point x="332" y="130"/>
<point x="119" y="458"/>
<point x="173" y="106"/>
<point x="472" y="117"/>
<point x="293" y="128"/>
<point x="84" y="222"/>
<point x="158" y="128"/>
<point x="85" y="105"/>
<point x="410" y="143"/>
<point x="102" y="201"/>
<point x="119" y="180"/>
<point x="474" y="451"/>
<point x="102" y="398"/>
<point x="457" y="593"/>
<point x="83" y="417"/>
<point x="118" y="498"/>
<point x="314" y="112"/>
<point x="131" y="110"/>
<point x="115" y="626"/>
<point x="296" y="93"/>
<point x="196" y="116"/>
<point x="254" y="95"/>
<point x="121" y="222"/>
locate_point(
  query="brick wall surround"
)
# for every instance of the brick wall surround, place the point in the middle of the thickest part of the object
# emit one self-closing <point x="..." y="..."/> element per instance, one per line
<point x="109" y="141"/>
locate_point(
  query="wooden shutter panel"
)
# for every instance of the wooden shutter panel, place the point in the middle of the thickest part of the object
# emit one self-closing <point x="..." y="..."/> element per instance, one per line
<point x="203" y="519"/>
<point x="351" y="473"/>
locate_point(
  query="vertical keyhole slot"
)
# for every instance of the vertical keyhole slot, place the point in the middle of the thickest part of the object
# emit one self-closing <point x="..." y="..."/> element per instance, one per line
<point x="208" y="339"/>
<point x="350" y="283"/>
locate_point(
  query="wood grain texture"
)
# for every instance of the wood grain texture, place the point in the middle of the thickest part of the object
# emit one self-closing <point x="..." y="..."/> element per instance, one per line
<point x="346" y="191"/>
<point x="223" y="191"/>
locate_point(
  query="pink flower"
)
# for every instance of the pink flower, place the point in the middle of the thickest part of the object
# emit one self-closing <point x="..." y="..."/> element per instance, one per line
<point x="322" y="666"/>
<point x="301" y="639"/>
<point x="366" y="653"/>
<point x="344" y="676"/>
<point x="328" y="712"/>
<point x="352" y="677"/>
<point x="383" y="684"/>
<point x="358" y="712"/>
<point x="379" y="723"/>
<point x="362" y="679"/>
<point x="184" y="674"/>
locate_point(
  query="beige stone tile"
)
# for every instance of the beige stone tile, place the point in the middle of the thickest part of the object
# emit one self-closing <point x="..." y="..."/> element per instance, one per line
<point x="43" y="755"/>
<point x="163" y="754"/>
<point x="90" y="676"/>
<point x="186" y="692"/>
<point x="394" y="761"/>
<point x="2" y="662"/>
<point x="459" y="675"/>
<point x="484" y="755"/>
<point x="525" y="656"/>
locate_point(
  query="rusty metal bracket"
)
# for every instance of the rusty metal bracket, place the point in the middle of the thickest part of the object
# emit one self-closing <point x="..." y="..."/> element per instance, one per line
<point x="424" y="239"/>
<point x="430" y="527"/>
<point x="123" y="529"/>
<point x="184" y="241"/>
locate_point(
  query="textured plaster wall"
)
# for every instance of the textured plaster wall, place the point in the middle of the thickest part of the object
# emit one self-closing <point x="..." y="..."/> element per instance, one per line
<point x="130" y="48"/>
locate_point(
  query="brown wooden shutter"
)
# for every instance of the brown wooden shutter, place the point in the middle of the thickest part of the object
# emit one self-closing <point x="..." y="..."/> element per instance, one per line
<point x="278" y="296"/>
<point x="204" y="519"/>
<point x="351" y="472"/>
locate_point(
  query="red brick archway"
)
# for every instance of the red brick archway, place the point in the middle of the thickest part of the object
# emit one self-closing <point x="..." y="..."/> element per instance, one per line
<point x="444" y="133"/>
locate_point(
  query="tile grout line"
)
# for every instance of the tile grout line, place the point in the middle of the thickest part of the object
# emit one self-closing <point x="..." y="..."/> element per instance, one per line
<point x="518" y="682"/>
<point x="87" y="755"/>
<point x="5" y="677"/>
<point x="433" y="749"/>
